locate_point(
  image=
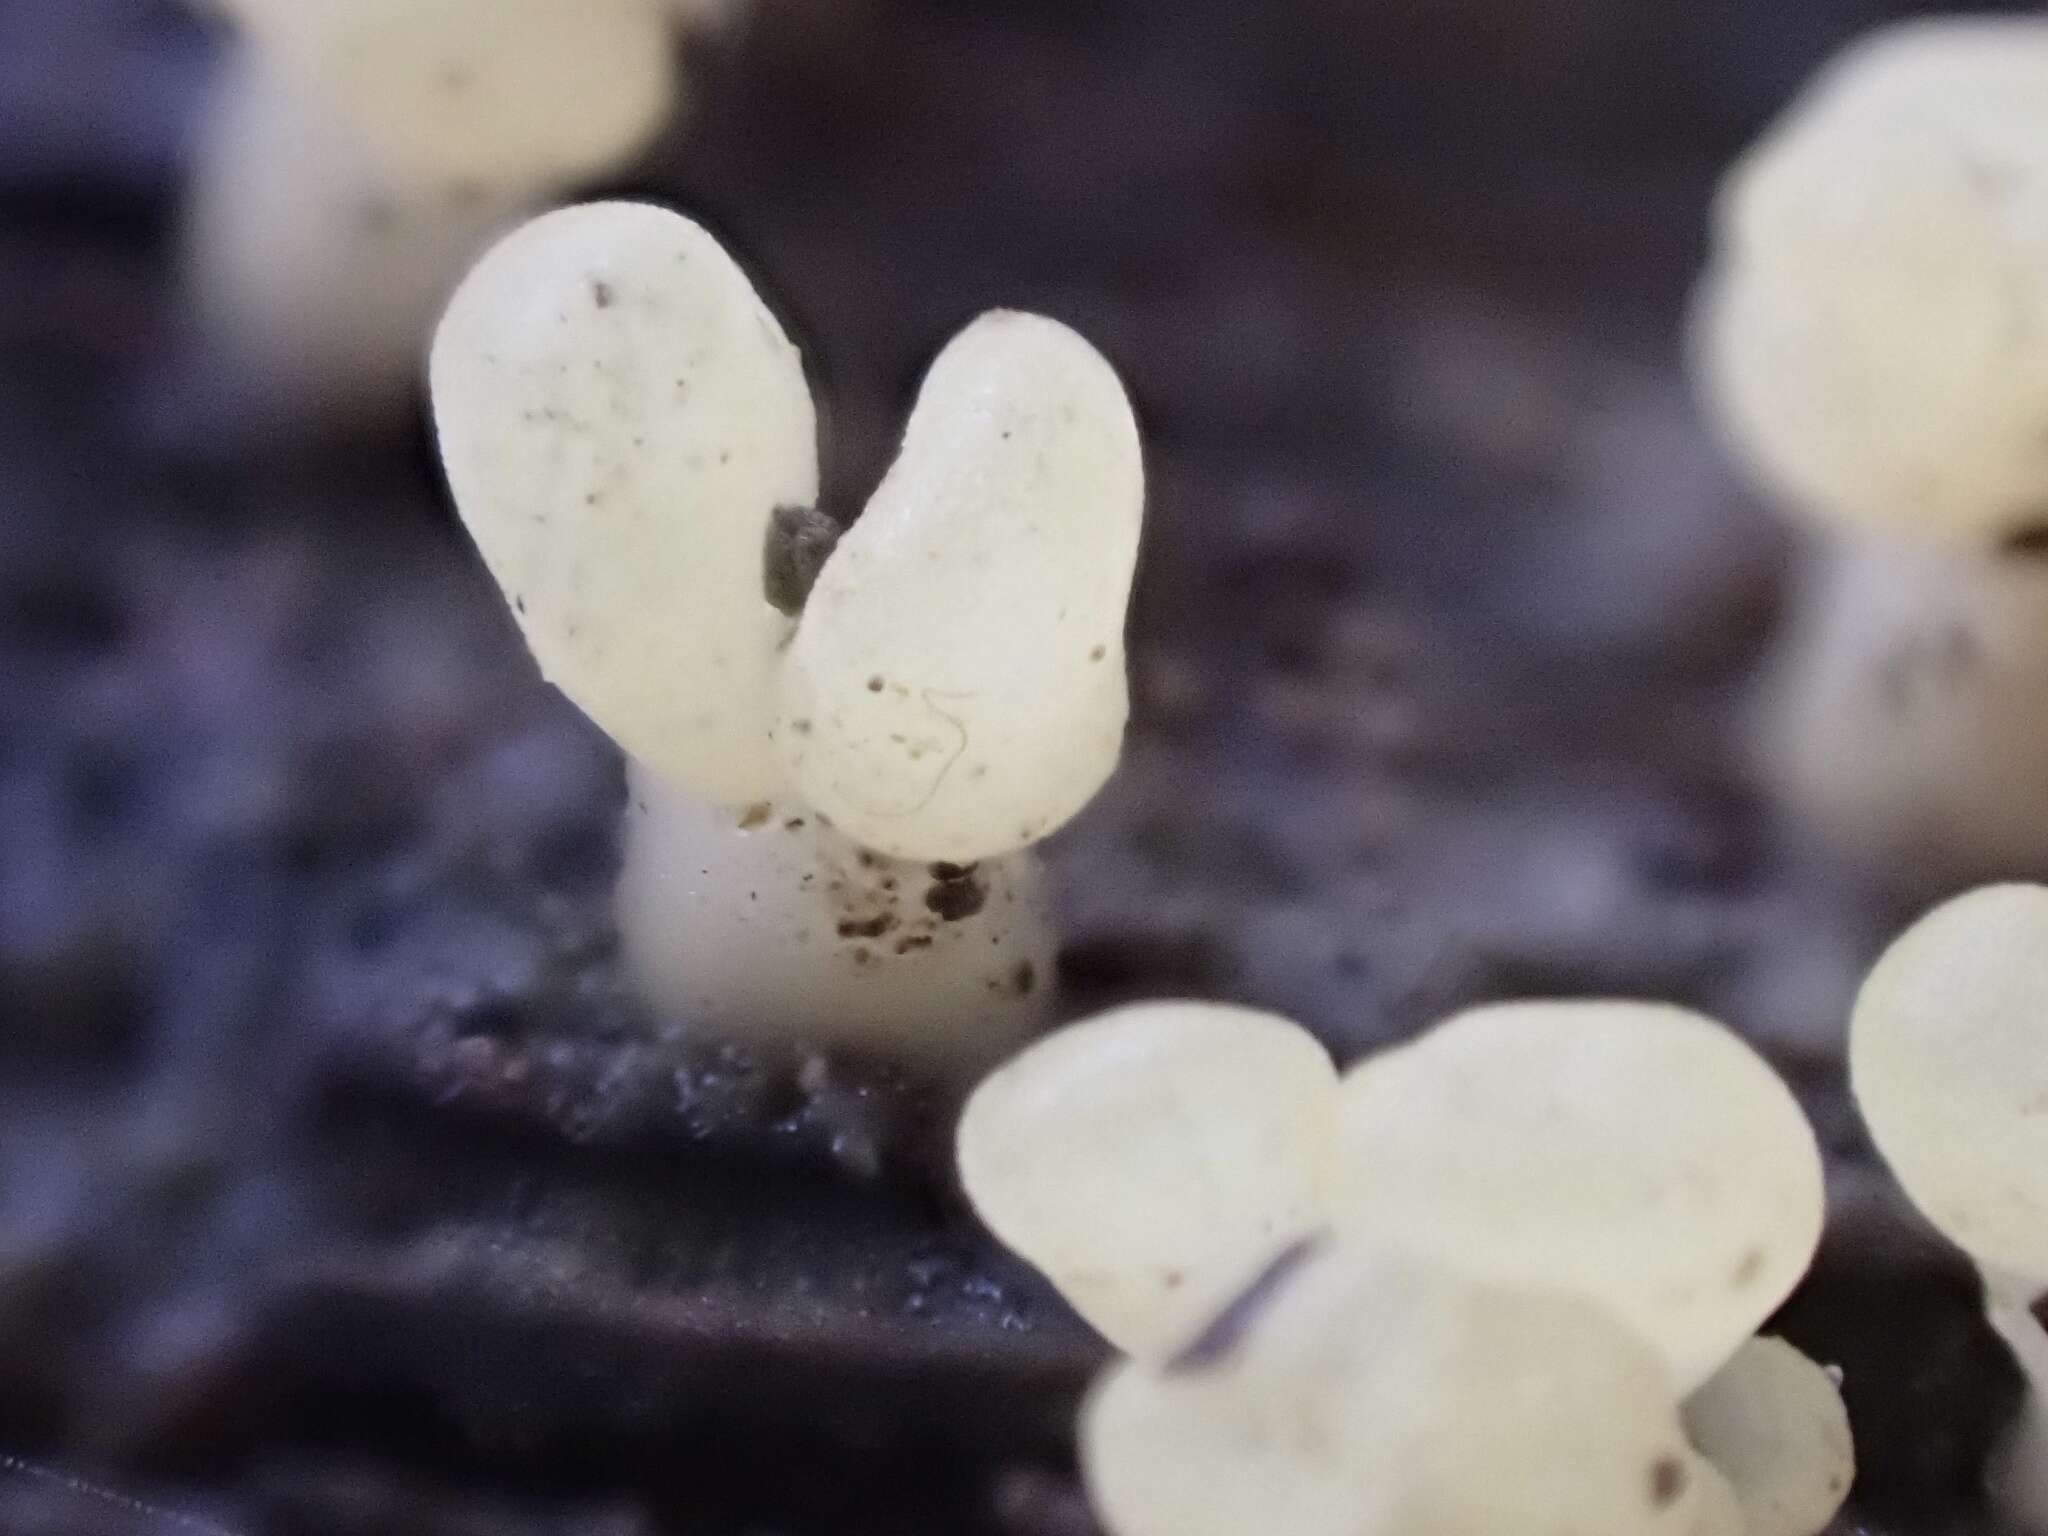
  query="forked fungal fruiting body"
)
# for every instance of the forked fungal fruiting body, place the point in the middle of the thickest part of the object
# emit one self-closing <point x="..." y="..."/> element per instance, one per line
<point x="623" y="424"/>
<point x="1948" y="1057"/>
<point x="1871" y="335"/>
<point x="1622" y="1180"/>
<point x="359" y="153"/>
<point x="1872" y="332"/>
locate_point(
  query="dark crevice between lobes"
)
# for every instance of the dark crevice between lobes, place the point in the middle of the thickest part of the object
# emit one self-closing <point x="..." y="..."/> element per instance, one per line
<point x="800" y="540"/>
<point x="1220" y="1339"/>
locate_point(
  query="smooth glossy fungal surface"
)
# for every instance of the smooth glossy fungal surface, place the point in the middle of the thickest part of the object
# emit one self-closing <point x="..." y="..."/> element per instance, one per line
<point x="1772" y="1422"/>
<point x="766" y="925"/>
<point x="1873" y="329"/>
<point x="1151" y="1161"/>
<point x="1633" y="1152"/>
<point x="620" y="416"/>
<point x="956" y="687"/>
<point x="1948" y="1056"/>
<point x="1376" y="1396"/>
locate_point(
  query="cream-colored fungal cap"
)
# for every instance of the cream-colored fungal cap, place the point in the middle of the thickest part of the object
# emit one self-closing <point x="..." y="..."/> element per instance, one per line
<point x="956" y="688"/>
<point x="765" y="925"/>
<point x="527" y="93"/>
<point x="1773" y="1423"/>
<point x="620" y="415"/>
<point x="1873" y="328"/>
<point x="1374" y="1396"/>
<point x="1906" y="715"/>
<point x="1637" y="1153"/>
<point x="1152" y="1160"/>
<point x="1948" y="1056"/>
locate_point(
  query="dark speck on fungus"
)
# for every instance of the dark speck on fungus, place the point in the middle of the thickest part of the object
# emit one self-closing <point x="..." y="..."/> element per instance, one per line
<point x="955" y="893"/>
<point x="1667" y="1481"/>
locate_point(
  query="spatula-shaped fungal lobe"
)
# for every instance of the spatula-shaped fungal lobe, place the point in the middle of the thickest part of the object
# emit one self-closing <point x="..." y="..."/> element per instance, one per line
<point x="766" y="925"/>
<point x="1948" y="1056"/>
<point x="956" y="687"/>
<point x="490" y="93"/>
<point x="1636" y="1153"/>
<point x="1373" y="1395"/>
<point x="1772" y="1422"/>
<point x="620" y="416"/>
<point x="1152" y="1160"/>
<point x="1873" y="328"/>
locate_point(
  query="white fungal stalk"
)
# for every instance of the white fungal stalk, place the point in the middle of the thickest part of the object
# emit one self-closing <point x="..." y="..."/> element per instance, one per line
<point x="1167" y="1165"/>
<point x="766" y="924"/>
<point x="1906" y="715"/>
<point x="1871" y="335"/>
<point x="359" y="153"/>
<point x="622" y="419"/>
<point x="1948" y="1055"/>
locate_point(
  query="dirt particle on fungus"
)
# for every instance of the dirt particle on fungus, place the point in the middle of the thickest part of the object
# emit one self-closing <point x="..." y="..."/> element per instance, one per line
<point x="1747" y="1268"/>
<point x="955" y="893"/>
<point x="601" y="293"/>
<point x="863" y="955"/>
<point x="2028" y="542"/>
<point x="911" y="941"/>
<point x="1098" y="653"/>
<point x="875" y="683"/>
<point x="755" y="815"/>
<point x="1667" y="1481"/>
<point x="799" y="541"/>
<point x="803" y="728"/>
<point x="1024" y="978"/>
<point x="794" y="824"/>
<point x="867" y="927"/>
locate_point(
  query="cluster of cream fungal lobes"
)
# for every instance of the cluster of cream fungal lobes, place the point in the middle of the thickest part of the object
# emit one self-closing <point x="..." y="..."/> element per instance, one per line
<point x="1506" y="1277"/>
<point x="360" y="153"/>
<point x="1948" y="1055"/>
<point x="830" y="815"/>
<point x="1872" y="338"/>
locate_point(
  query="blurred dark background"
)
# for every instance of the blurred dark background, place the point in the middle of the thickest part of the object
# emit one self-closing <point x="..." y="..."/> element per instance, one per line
<point x="344" y="1188"/>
